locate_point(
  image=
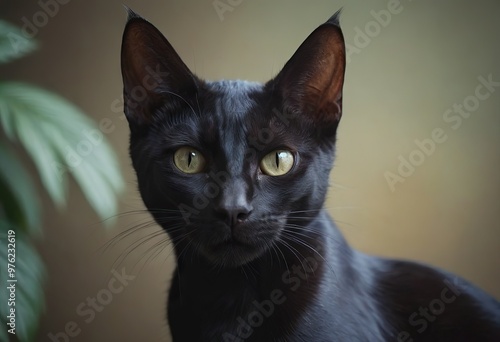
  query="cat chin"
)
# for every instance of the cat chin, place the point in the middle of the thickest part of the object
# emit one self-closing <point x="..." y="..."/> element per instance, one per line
<point x="232" y="254"/>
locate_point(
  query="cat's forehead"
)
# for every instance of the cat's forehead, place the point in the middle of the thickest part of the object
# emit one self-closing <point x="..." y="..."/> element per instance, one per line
<point x="234" y="98"/>
<point x="240" y="112"/>
<point x="230" y="108"/>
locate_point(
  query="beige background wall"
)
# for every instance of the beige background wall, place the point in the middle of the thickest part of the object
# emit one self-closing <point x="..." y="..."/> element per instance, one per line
<point x="399" y="84"/>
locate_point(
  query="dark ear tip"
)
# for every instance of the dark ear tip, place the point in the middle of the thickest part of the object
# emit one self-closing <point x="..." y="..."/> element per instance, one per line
<point x="131" y="14"/>
<point x="335" y="19"/>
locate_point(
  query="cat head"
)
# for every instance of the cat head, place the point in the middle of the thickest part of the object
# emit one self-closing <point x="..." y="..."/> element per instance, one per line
<point x="230" y="168"/>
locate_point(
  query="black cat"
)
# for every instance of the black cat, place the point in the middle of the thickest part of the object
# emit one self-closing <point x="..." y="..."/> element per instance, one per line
<point x="236" y="173"/>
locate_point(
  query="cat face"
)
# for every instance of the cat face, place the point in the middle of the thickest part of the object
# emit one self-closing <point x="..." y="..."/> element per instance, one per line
<point x="230" y="168"/>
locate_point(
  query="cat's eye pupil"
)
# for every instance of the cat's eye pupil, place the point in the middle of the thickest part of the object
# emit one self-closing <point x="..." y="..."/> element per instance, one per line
<point x="189" y="160"/>
<point x="277" y="163"/>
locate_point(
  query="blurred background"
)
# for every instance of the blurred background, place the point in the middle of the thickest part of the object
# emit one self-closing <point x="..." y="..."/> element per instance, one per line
<point x="407" y="75"/>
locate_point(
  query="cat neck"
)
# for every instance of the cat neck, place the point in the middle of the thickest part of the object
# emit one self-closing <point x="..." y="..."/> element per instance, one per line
<point x="282" y="285"/>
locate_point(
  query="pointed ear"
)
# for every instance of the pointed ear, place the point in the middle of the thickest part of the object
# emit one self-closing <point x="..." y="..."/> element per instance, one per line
<point x="153" y="73"/>
<point x="311" y="81"/>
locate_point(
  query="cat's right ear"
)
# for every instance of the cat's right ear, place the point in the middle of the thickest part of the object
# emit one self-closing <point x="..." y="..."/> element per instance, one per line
<point x="154" y="76"/>
<point x="311" y="82"/>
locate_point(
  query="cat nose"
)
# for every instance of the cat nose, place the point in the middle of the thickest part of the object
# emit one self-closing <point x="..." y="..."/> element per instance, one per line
<point x="233" y="205"/>
<point x="235" y="214"/>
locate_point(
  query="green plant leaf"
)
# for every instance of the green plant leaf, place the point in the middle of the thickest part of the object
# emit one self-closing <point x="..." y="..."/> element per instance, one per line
<point x="30" y="275"/>
<point x="6" y="121"/>
<point x="14" y="43"/>
<point x="18" y="199"/>
<point x="38" y="147"/>
<point x="61" y="140"/>
<point x="94" y="182"/>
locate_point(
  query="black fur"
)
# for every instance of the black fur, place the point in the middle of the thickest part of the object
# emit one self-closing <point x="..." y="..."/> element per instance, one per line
<point x="258" y="259"/>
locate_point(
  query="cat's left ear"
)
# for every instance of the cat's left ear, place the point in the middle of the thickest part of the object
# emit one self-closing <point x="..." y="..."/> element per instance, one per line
<point x="311" y="82"/>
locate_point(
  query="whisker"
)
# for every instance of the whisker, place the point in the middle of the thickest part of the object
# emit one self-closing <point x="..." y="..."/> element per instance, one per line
<point x="305" y="244"/>
<point x="293" y="250"/>
<point x="179" y="96"/>
<point x="277" y="247"/>
<point x="125" y="254"/>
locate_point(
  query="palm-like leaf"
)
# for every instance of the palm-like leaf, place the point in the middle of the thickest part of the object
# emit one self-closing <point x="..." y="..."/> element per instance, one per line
<point x="19" y="211"/>
<point x="18" y="200"/>
<point x="13" y="43"/>
<point x="61" y="140"/>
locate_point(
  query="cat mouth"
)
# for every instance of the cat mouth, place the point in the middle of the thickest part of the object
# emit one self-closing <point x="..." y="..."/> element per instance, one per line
<point x="229" y="243"/>
<point x="234" y="246"/>
<point x="232" y="242"/>
<point x="234" y="249"/>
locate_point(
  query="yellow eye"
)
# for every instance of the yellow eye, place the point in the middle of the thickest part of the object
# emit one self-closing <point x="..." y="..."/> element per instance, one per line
<point x="277" y="163"/>
<point x="189" y="160"/>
